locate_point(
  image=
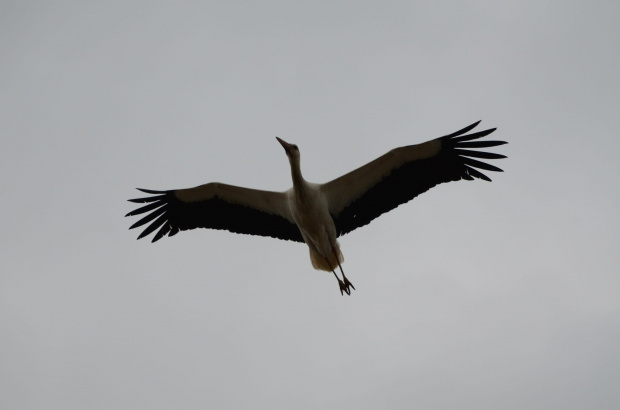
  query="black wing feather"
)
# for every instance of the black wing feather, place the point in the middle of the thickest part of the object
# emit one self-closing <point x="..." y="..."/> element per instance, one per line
<point x="144" y="209"/>
<point x="477" y="174"/>
<point x="479" y="154"/>
<point x="481" y="144"/>
<point x="149" y="217"/>
<point x="464" y="130"/>
<point x="473" y="136"/>
<point x="413" y="178"/>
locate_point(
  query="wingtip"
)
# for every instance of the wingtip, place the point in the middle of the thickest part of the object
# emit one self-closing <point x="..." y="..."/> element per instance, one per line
<point x="135" y="225"/>
<point x="474" y="125"/>
<point x="150" y="191"/>
<point x="463" y="130"/>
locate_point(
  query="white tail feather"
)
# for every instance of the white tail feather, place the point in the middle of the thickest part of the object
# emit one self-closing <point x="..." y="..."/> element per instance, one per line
<point x="329" y="264"/>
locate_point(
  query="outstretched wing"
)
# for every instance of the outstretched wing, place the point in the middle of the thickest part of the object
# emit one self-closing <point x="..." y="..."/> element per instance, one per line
<point x="362" y="195"/>
<point x="216" y="206"/>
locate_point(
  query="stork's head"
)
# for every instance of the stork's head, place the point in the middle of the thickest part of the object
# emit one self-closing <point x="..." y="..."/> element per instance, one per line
<point x="291" y="149"/>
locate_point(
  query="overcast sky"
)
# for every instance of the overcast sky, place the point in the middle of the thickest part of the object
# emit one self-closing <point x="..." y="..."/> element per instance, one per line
<point x="475" y="295"/>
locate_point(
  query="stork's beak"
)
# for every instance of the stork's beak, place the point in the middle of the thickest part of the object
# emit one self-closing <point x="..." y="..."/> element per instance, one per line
<point x="286" y="145"/>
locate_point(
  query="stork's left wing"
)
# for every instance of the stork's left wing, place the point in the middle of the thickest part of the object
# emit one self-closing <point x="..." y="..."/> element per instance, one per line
<point x="362" y="195"/>
<point x="216" y="206"/>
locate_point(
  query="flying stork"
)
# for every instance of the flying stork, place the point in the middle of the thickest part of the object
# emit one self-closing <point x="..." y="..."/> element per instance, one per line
<point x="317" y="214"/>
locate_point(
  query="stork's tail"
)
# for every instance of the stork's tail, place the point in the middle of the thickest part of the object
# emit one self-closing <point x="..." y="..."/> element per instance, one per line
<point x="326" y="264"/>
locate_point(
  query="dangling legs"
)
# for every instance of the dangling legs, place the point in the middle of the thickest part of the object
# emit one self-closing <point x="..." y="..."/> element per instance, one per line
<point x="344" y="285"/>
<point x="346" y="281"/>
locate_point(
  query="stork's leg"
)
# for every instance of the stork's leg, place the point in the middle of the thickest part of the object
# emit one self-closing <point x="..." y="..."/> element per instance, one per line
<point x="344" y="284"/>
<point x="347" y="283"/>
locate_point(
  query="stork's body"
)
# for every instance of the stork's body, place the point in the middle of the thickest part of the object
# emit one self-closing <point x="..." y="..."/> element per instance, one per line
<point x="311" y="214"/>
<point x="318" y="214"/>
<point x="310" y="210"/>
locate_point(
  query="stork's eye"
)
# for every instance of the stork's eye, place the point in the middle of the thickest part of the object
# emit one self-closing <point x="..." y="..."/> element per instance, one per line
<point x="295" y="148"/>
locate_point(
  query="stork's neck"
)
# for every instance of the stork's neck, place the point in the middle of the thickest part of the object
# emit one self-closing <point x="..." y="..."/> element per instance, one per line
<point x="299" y="183"/>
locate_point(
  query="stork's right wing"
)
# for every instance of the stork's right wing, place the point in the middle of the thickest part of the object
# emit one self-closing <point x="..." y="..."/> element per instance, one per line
<point x="217" y="206"/>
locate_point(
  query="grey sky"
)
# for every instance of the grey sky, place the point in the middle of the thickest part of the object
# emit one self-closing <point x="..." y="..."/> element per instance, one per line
<point x="474" y="295"/>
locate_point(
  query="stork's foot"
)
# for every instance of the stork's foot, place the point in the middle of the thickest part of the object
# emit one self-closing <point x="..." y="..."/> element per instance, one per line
<point x="348" y="284"/>
<point x="345" y="285"/>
